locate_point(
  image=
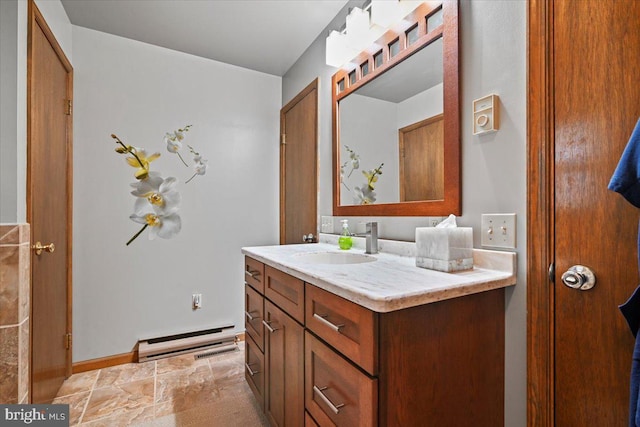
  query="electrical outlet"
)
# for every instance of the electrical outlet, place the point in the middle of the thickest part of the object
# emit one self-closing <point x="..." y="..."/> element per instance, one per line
<point x="435" y="221"/>
<point x="196" y="301"/>
<point x="327" y="224"/>
<point x="499" y="230"/>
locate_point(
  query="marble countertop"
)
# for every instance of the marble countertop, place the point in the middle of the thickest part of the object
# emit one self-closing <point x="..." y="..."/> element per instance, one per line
<point x="392" y="282"/>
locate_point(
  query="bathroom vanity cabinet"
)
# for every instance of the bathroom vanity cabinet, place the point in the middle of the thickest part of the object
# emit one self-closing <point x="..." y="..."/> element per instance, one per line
<point x="329" y="361"/>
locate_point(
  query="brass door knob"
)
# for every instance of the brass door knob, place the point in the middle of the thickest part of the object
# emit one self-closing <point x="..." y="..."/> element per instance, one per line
<point x="39" y="247"/>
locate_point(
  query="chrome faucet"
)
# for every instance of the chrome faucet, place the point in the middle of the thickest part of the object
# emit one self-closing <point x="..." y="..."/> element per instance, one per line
<point x="371" y="236"/>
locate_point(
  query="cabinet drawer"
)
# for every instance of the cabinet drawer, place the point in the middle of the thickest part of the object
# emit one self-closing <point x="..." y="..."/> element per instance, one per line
<point x="254" y="369"/>
<point x="286" y="292"/>
<point x="350" y="328"/>
<point x="336" y="392"/>
<point x="253" y="315"/>
<point x="254" y="273"/>
<point x="308" y="421"/>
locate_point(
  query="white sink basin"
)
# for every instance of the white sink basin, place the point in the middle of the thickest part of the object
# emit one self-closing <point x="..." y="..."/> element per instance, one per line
<point x="335" y="258"/>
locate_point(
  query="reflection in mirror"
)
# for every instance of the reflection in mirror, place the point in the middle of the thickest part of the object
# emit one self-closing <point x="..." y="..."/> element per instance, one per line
<point x="391" y="133"/>
<point x="396" y="128"/>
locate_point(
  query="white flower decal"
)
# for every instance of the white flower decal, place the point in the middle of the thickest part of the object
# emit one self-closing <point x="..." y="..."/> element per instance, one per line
<point x="157" y="199"/>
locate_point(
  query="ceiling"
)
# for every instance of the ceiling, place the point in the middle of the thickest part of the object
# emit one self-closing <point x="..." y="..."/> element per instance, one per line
<point x="262" y="35"/>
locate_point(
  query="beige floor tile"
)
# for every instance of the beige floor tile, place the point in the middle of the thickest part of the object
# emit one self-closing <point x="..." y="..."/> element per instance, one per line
<point x="226" y="370"/>
<point x="78" y="382"/>
<point x="77" y="402"/>
<point x="121" y="374"/>
<point x="177" y="363"/>
<point x="118" y="399"/>
<point x="180" y="390"/>
<point x="175" y="392"/>
<point x="128" y="418"/>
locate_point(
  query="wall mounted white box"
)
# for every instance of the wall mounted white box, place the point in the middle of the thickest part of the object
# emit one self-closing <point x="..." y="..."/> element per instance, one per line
<point x="444" y="249"/>
<point x="486" y="114"/>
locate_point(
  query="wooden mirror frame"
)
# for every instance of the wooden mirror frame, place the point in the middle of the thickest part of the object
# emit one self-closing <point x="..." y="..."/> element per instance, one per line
<point x="448" y="31"/>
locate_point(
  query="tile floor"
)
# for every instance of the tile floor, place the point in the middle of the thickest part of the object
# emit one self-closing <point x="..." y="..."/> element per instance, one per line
<point x="178" y="391"/>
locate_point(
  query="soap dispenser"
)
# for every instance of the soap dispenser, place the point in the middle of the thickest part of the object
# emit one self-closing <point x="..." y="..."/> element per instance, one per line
<point x="345" y="242"/>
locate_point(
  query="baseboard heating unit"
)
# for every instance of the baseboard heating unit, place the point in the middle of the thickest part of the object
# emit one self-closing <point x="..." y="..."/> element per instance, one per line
<point x="214" y="340"/>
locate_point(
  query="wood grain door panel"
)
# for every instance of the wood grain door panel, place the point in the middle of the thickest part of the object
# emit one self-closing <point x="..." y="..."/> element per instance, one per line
<point x="298" y="166"/>
<point x="284" y="366"/>
<point x="596" y="44"/>
<point x="421" y="147"/>
<point x="49" y="207"/>
<point x="583" y="105"/>
<point x="336" y="393"/>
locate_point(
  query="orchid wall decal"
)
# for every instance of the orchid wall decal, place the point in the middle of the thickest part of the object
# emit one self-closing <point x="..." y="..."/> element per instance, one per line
<point x="364" y="195"/>
<point x="157" y="199"/>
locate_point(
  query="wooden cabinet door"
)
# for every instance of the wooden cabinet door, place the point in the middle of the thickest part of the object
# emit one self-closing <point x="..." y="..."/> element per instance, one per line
<point x="336" y="392"/>
<point x="254" y="369"/>
<point x="284" y="365"/>
<point x="254" y="313"/>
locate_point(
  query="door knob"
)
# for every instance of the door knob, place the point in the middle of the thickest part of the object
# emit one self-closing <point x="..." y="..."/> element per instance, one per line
<point x="39" y="247"/>
<point x="579" y="277"/>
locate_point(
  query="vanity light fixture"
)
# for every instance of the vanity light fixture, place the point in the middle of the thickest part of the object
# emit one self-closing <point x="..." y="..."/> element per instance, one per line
<point x="364" y="26"/>
<point x="337" y="50"/>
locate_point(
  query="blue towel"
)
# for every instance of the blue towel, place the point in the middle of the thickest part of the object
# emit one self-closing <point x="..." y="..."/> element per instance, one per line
<point x="631" y="311"/>
<point x="626" y="181"/>
<point x="634" y="402"/>
<point x="626" y="178"/>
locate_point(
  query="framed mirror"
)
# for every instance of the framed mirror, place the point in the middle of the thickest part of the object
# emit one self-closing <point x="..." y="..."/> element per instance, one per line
<point x="396" y="121"/>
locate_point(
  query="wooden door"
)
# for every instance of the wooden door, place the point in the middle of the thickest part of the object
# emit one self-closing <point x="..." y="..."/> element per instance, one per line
<point x="284" y="366"/>
<point x="421" y="147"/>
<point x="298" y="166"/>
<point x="584" y="102"/>
<point x="50" y="78"/>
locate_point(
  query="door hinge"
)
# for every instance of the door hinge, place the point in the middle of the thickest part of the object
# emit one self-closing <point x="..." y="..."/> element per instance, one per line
<point x="67" y="341"/>
<point x="68" y="107"/>
<point x="552" y="272"/>
<point x="283" y="139"/>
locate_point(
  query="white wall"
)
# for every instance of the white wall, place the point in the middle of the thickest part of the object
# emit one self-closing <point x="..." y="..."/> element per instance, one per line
<point x="377" y="126"/>
<point x="426" y="104"/>
<point x="58" y="21"/>
<point x="139" y="92"/>
<point x="13" y="102"/>
<point x="493" y="165"/>
<point x="13" y="110"/>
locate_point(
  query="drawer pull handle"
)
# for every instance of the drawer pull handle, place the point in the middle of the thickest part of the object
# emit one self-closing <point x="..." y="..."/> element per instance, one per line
<point x="252" y="274"/>
<point x="268" y="326"/>
<point x="322" y="319"/>
<point x="325" y="399"/>
<point x="251" y="371"/>
<point x="250" y="316"/>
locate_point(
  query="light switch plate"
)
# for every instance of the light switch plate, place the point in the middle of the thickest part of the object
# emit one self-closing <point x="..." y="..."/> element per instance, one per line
<point x="499" y="230"/>
<point x="327" y="224"/>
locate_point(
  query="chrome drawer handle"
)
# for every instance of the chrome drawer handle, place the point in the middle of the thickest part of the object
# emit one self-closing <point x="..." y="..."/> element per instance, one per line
<point x="322" y="319"/>
<point x="251" y="371"/>
<point x="252" y="274"/>
<point x="325" y="399"/>
<point x="268" y="326"/>
<point x="250" y="317"/>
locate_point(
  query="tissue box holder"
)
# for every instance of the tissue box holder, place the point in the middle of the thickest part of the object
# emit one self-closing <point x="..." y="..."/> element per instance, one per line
<point x="444" y="249"/>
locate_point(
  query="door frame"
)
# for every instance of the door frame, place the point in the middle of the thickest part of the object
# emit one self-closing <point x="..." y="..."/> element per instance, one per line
<point x="35" y="17"/>
<point x="303" y="93"/>
<point x="540" y="214"/>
